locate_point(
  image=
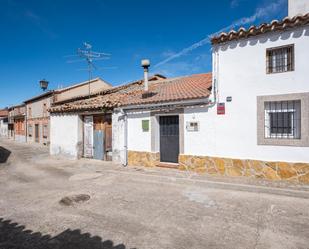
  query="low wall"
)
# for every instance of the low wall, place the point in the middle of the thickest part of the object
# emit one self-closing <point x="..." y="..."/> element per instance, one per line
<point x="297" y="172"/>
<point x="146" y="159"/>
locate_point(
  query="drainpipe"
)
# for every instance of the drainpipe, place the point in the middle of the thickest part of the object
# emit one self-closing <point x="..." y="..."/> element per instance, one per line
<point x="215" y="76"/>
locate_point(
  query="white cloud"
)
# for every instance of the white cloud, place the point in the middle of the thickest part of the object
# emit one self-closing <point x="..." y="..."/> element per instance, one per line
<point x="264" y="12"/>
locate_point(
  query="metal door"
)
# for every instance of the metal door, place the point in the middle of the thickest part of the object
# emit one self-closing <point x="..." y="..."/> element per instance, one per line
<point x="98" y="142"/>
<point x="37" y="133"/>
<point x="88" y="136"/>
<point x="169" y="139"/>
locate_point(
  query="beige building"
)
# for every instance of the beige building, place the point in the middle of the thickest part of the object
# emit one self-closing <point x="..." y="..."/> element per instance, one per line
<point x="38" y="117"/>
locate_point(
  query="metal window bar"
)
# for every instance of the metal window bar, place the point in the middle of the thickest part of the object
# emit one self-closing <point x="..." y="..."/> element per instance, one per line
<point x="280" y="60"/>
<point x="282" y="119"/>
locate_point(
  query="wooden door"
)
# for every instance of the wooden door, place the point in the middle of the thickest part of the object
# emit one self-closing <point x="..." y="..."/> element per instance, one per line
<point x="88" y="136"/>
<point x="169" y="139"/>
<point x="98" y="138"/>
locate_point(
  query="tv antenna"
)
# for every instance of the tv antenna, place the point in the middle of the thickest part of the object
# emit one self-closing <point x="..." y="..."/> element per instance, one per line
<point x="86" y="54"/>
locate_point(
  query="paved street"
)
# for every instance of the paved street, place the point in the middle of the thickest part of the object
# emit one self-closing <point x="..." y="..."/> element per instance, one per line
<point x="140" y="208"/>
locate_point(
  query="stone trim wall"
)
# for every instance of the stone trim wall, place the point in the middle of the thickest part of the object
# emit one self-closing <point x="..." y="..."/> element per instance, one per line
<point x="141" y="158"/>
<point x="297" y="172"/>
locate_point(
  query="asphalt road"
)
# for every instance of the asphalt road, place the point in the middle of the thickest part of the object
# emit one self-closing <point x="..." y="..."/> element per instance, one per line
<point x="140" y="208"/>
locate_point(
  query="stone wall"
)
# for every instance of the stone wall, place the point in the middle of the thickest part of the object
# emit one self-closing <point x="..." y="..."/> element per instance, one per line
<point x="140" y="158"/>
<point x="298" y="172"/>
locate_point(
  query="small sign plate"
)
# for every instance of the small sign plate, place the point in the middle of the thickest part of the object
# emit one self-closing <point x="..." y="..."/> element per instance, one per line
<point x="221" y="108"/>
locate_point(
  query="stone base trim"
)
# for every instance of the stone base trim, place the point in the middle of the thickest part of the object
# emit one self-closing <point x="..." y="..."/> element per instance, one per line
<point x="141" y="158"/>
<point x="297" y="172"/>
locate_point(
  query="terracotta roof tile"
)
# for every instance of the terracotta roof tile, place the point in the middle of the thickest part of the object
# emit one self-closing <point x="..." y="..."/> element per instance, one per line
<point x="4" y="113"/>
<point x="160" y="91"/>
<point x="275" y="25"/>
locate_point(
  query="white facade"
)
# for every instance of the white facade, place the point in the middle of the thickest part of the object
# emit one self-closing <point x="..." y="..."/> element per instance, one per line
<point x="241" y="74"/>
<point x="66" y="135"/>
<point x="138" y="140"/>
<point x="119" y="151"/>
<point x="297" y="7"/>
<point x="3" y="127"/>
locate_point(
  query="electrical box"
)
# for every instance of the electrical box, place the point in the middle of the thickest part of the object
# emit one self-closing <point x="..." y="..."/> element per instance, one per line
<point x="145" y="125"/>
<point x="193" y="126"/>
<point x="221" y="108"/>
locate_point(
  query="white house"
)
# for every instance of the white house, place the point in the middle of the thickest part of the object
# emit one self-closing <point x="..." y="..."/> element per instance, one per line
<point x="249" y="117"/>
<point x="255" y="123"/>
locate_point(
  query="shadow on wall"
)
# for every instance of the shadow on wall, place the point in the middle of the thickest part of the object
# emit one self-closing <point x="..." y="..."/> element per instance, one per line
<point x="15" y="236"/>
<point x="4" y="154"/>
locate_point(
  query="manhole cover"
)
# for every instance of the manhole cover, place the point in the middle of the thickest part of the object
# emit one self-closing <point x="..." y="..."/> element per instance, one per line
<point x="70" y="200"/>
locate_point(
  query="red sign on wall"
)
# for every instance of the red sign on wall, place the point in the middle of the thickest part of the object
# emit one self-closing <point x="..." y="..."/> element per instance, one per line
<point x="221" y="108"/>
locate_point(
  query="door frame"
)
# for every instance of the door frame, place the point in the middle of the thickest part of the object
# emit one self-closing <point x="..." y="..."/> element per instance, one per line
<point x="155" y="128"/>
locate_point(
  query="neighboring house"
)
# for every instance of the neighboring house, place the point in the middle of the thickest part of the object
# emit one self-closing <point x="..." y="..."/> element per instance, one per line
<point x="17" y="123"/>
<point x="82" y="127"/>
<point x="38" y="117"/>
<point x="81" y="89"/>
<point x="4" y="122"/>
<point x="11" y="123"/>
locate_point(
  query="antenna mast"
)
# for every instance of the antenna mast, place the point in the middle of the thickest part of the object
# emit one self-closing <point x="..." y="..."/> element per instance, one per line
<point x="90" y="56"/>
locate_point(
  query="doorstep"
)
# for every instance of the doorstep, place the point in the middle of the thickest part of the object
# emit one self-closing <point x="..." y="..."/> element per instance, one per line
<point x="168" y="165"/>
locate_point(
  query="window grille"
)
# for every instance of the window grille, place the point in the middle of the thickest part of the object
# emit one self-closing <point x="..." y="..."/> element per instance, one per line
<point x="280" y="59"/>
<point x="283" y="119"/>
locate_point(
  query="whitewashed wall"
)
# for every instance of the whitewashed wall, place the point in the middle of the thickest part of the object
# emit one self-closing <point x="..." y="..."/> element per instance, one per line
<point x="242" y="75"/>
<point x="138" y="140"/>
<point x="66" y="135"/>
<point x="3" y="128"/>
<point x="297" y="7"/>
<point x="118" y="137"/>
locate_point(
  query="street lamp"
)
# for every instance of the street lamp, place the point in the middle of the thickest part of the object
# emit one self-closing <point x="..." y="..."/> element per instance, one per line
<point x="44" y="84"/>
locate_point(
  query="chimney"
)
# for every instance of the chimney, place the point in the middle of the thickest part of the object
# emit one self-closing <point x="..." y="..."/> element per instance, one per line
<point x="298" y="7"/>
<point x="146" y="65"/>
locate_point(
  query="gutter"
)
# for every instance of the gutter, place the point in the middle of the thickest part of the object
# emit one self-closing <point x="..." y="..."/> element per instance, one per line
<point x="167" y="104"/>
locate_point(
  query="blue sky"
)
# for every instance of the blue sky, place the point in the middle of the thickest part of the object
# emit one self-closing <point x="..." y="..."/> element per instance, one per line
<point x="37" y="35"/>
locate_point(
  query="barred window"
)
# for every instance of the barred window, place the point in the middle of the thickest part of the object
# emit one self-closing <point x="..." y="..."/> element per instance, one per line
<point x="282" y="119"/>
<point x="280" y="59"/>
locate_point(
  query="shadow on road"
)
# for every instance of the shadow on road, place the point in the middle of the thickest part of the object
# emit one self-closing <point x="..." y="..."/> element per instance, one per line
<point x="4" y="154"/>
<point x="15" y="236"/>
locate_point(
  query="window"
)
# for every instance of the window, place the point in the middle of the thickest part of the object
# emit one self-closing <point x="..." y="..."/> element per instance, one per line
<point x="45" y="131"/>
<point x="30" y="130"/>
<point x="29" y="112"/>
<point x="280" y="59"/>
<point x="282" y="119"/>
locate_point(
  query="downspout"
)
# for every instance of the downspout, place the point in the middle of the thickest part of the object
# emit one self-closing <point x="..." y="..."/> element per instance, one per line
<point x="215" y="77"/>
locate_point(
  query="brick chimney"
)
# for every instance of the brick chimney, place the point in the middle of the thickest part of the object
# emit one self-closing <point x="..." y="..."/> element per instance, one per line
<point x="298" y="7"/>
